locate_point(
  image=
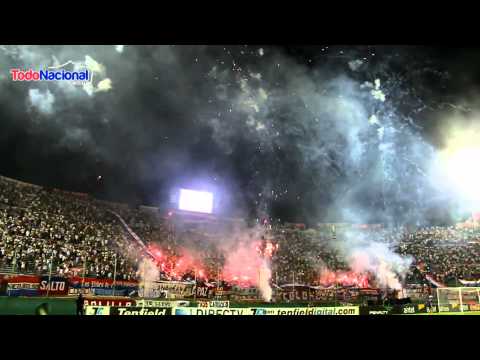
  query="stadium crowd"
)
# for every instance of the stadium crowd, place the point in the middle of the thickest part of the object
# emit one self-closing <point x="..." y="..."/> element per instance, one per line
<point x="448" y="254"/>
<point x="77" y="233"/>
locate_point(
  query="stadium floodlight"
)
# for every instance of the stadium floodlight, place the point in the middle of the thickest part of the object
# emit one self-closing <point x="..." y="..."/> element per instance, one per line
<point x="197" y="201"/>
<point x="456" y="164"/>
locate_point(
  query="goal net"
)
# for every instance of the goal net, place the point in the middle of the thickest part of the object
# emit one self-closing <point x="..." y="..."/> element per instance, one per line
<point x="458" y="299"/>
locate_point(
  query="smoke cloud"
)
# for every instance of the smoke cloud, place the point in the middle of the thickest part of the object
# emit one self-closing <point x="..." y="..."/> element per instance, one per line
<point x="340" y="138"/>
<point x="378" y="259"/>
<point x="148" y="274"/>
<point x="42" y="101"/>
<point x="315" y="140"/>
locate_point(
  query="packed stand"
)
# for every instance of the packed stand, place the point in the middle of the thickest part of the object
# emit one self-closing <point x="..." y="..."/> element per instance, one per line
<point x="75" y="231"/>
<point x="448" y="254"/>
<point x="39" y="226"/>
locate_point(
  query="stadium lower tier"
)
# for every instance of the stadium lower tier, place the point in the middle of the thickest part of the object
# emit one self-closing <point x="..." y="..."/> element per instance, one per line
<point x="15" y="285"/>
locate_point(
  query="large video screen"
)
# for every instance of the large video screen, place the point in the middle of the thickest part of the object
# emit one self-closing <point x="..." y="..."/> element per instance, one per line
<point x="198" y="201"/>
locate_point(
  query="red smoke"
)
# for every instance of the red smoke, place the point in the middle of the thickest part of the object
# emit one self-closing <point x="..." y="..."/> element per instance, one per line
<point x="476" y="216"/>
<point x="344" y="278"/>
<point x="242" y="264"/>
<point x="175" y="267"/>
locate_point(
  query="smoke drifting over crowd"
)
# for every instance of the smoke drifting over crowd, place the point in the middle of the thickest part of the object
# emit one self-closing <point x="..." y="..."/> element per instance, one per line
<point x="325" y="133"/>
<point x="368" y="256"/>
<point x="322" y="134"/>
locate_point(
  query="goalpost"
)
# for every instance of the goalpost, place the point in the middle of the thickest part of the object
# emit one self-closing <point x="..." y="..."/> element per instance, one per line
<point x="458" y="299"/>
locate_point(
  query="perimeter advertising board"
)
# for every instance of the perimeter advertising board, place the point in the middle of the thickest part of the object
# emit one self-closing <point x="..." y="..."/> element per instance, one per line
<point x="22" y="285"/>
<point x="161" y="311"/>
<point x="140" y="311"/>
<point x="161" y="303"/>
<point x="3" y="285"/>
<point x="406" y="309"/>
<point x="127" y="311"/>
<point x="211" y="311"/>
<point x="109" y="302"/>
<point x="287" y="311"/>
<point x="176" y="289"/>
<point x="102" y="286"/>
<point x="306" y="293"/>
<point x="214" y="303"/>
<point x="53" y="286"/>
<point x="97" y="310"/>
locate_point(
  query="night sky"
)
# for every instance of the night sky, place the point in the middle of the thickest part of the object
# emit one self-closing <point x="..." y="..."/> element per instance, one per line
<point x="300" y="133"/>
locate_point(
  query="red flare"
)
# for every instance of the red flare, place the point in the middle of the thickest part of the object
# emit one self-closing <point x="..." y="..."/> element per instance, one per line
<point x="344" y="278"/>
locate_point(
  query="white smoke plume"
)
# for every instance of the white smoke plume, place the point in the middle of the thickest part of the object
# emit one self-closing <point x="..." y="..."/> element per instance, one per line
<point x="265" y="274"/>
<point x="365" y="254"/>
<point x="279" y="115"/>
<point x="42" y="101"/>
<point x="355" y="64"/>
<point x="148" y="273"/>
